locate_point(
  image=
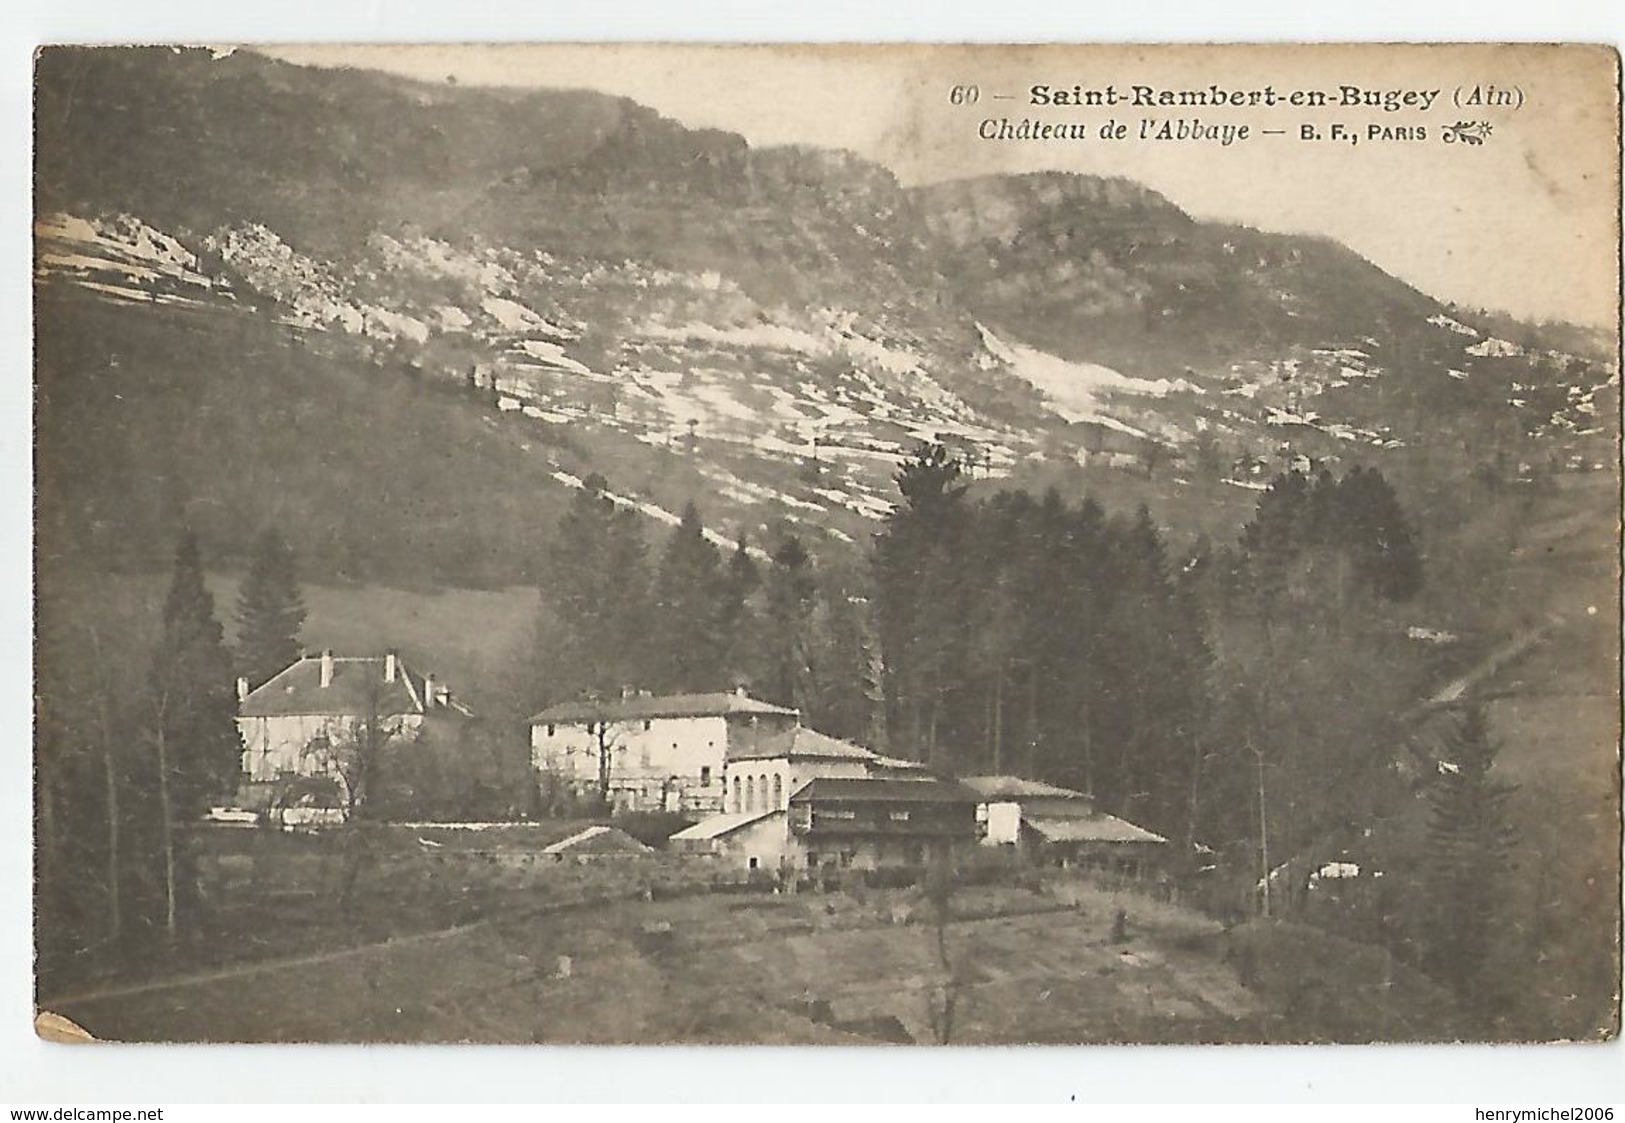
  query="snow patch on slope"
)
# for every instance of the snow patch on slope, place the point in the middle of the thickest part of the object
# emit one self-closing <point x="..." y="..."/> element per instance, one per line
<point x="1443" y="321"/>
<point x="1493" y="348"/>
<point x="1074" y="391"/>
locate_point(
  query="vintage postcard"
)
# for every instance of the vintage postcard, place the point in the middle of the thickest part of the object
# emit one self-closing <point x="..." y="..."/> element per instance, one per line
<point x="827" y="544"/>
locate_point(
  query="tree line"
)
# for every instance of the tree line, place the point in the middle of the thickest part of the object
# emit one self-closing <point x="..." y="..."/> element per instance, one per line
<point x="691" y="617"/>
<point x="1245" y="696"/>
<point x="136" y="739"/>
<point x="1008" y="633"/>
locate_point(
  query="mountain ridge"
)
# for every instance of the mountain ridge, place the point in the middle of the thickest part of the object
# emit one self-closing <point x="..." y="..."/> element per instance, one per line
<point x="773" y="326"/>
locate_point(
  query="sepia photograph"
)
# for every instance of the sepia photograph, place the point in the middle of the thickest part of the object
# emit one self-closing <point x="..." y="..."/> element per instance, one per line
<point x="826" y="544"/>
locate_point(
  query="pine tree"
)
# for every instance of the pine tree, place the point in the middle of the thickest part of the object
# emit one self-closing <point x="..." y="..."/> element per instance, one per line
<point x="1273" y="540"/>
<point x="844" y="686"/>
<point x="737" y="622"/>
<point x="791" y="591"/>
<point x="1470" y="847"/>
<point x="1075" y="639"/>
<point x="193" y="668"/>
<point x="689" y="641"/>
<point x="998" y="617"/>
<point x="192" y="726"/>
<point x="1141" y="672"/>
<point x="1377" y="536"/>
<point x="270" y="610"/>
<point x="922" y="627"/>
<point x="595" y="594"/>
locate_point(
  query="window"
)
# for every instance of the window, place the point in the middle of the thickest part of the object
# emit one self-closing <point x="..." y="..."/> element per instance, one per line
<point x="643" y="754"/>
<point x="647" y="724"/>
<point x="753" y="863"/>
<point x="705" y="776"/>
<point x="738" y="795"/>
<point x="750" y="793"/>
<point x="778" y="791"/>
<point x="550" y="728"/>
<point x="844" y="813"/>
<point x="899" y="816"/>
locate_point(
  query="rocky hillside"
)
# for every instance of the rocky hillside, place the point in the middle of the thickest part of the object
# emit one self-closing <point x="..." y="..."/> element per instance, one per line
<point x="580" y="285"/>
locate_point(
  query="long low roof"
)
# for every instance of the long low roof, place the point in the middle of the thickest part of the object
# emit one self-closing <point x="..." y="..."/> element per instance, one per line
<point x="720" y="704"/>
<point x="799" y="741"/>
<point x="1096" y="828"/>
<point x="598" y="839"/>
<point x="841" y="790"/>
<point x="719" y="825"/>
<point x="1016" y="788"/>
<point x="894" y="764"/>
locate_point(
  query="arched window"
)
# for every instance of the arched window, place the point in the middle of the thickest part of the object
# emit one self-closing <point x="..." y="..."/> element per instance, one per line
<point x="762" y="787"/>
<point x="738" y="797"/>
<point x="750" y="793"/>
<point x="778" y="791"/>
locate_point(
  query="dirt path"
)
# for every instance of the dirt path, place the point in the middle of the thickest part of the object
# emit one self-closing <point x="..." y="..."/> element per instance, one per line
<point x="259" y="967"/>
<point x="313" y="959"/>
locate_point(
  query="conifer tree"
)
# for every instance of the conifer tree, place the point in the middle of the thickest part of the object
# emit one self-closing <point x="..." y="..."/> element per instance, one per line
<point x="737" y="622"/>
<point x="270" y="610"/>
<point x="688" y="609"/>
<point x="791" y="591"/>
<point x="1377" y="535"/>
<point x="922" y="625"/>
<point x="845" y="688"/>
<point x="595" y="593"/>
<point x="1470" y="848"/>
<point x="192" y="726"/>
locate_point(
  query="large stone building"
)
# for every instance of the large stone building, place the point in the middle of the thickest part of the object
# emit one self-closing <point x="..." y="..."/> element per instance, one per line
<point x="324" y="699"/>
<point x="316" y="731"/>
<point x="666" y="753"/>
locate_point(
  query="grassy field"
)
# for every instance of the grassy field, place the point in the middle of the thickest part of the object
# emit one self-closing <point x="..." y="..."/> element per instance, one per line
<point x="477" y="641"/>
<point x="849" y="967"/>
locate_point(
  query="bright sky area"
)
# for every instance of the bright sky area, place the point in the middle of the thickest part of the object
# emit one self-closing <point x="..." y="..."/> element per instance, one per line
<point x="1525" y="222"/>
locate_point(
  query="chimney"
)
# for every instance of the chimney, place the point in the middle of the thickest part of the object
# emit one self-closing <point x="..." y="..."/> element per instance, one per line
<point x="242" y="688"/>
<point x="390" y="666"/>
<point x="428" y="691"/>
<point x="327" y="668"/>
<point x="740" y="690"/>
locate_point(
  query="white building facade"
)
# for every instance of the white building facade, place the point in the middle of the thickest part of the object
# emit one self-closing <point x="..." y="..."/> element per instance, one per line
<point x="667" y="753"/>
<point x="328" y="698"/>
